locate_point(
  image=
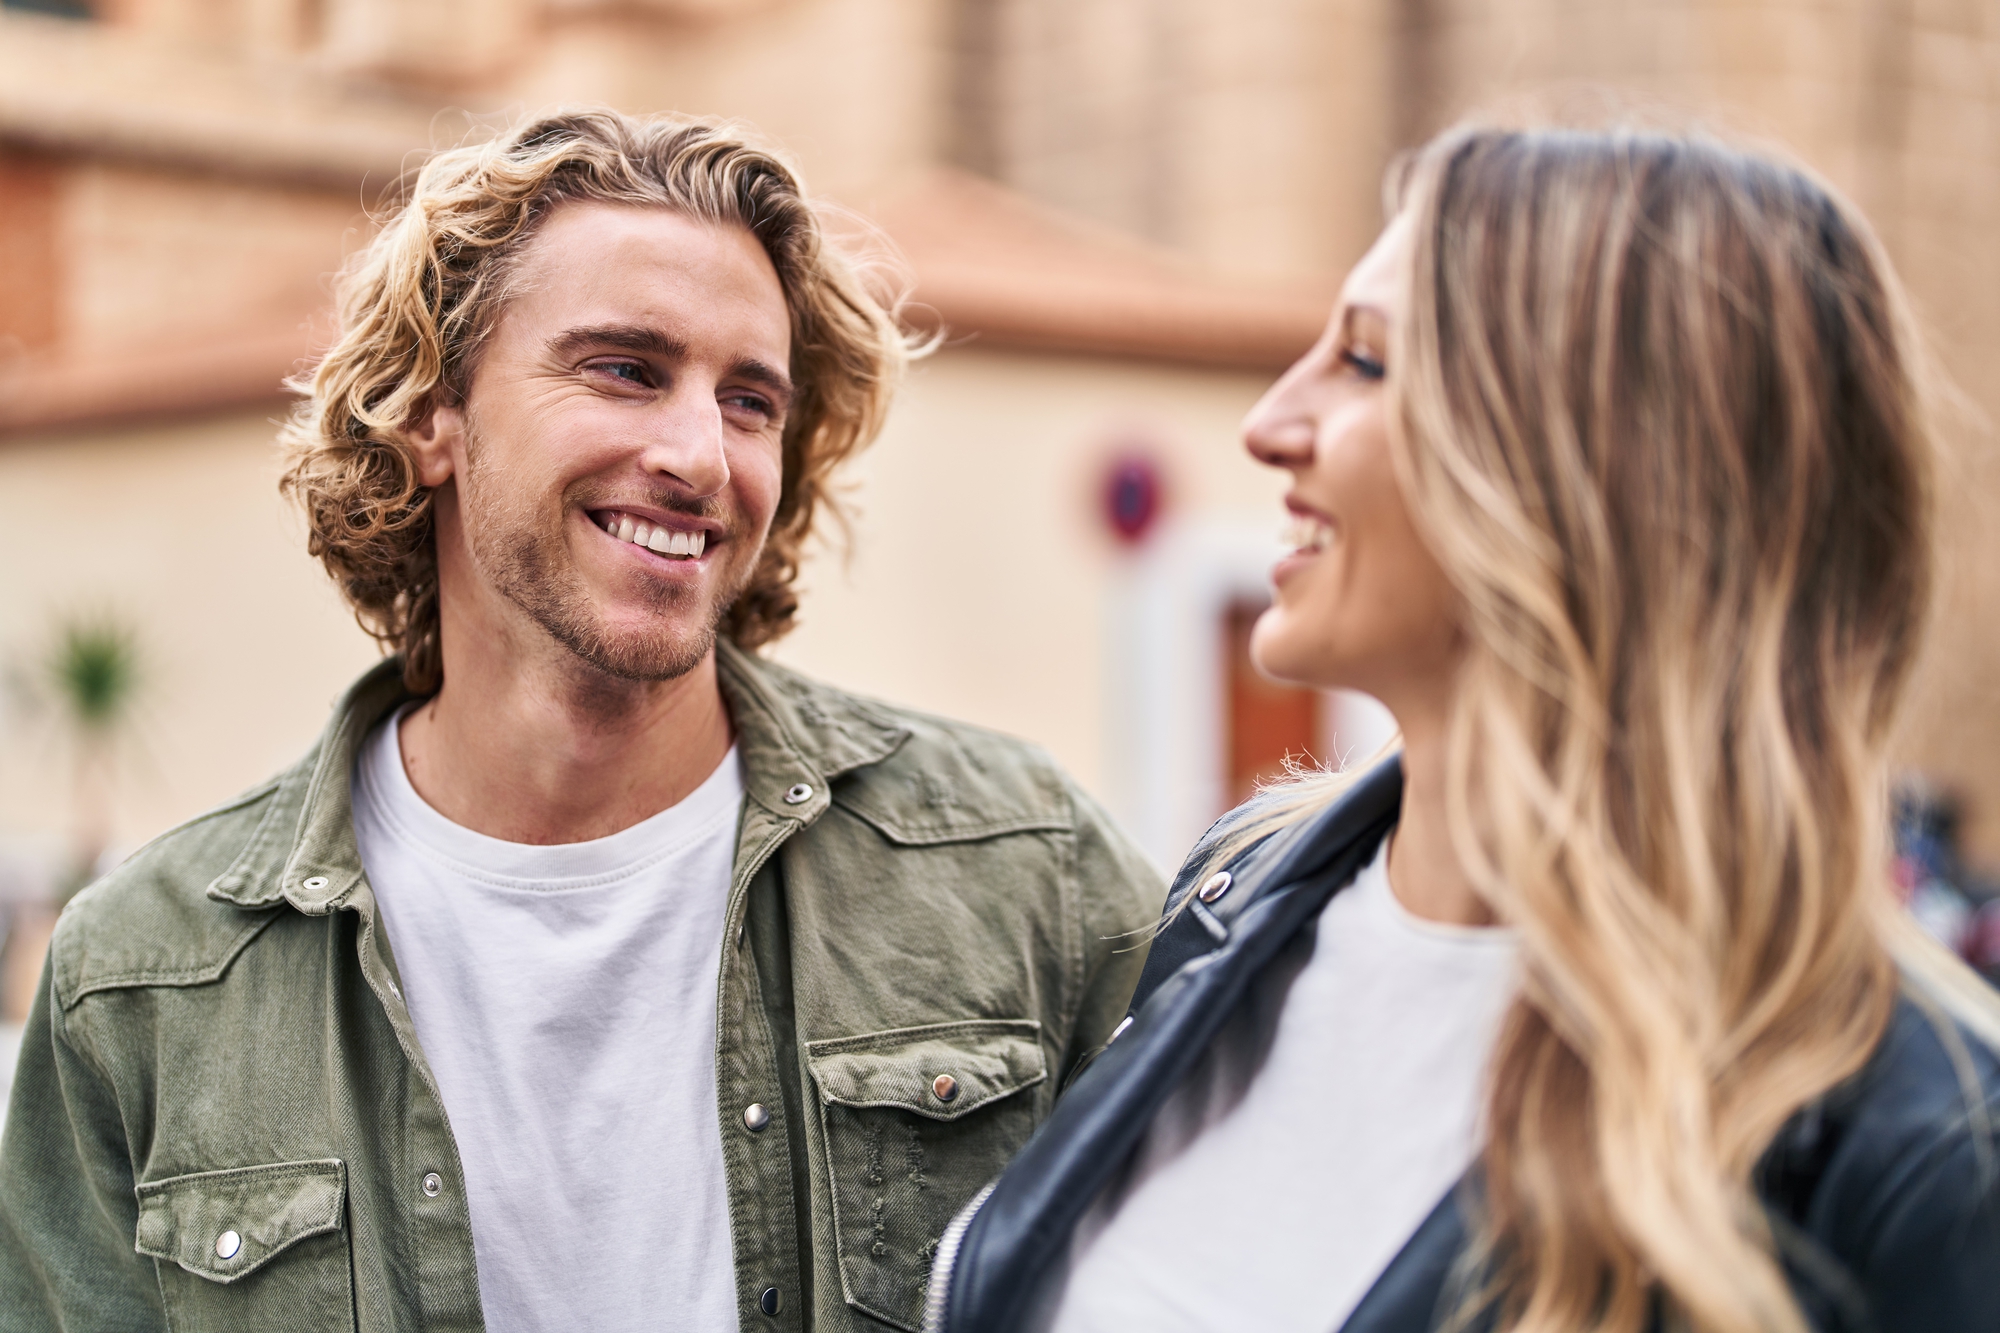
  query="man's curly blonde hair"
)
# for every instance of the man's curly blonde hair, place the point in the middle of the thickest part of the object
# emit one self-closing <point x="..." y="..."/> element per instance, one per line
<point x="416" y="306"/>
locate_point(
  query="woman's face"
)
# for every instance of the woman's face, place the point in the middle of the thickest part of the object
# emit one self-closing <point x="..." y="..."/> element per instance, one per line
<point x="1359" y="603"/>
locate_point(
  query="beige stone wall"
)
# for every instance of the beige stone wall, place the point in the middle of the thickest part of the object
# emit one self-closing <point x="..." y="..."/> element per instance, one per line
<point x="150" y="257"/>
<point x="177" y="531"/>
<point x="1251" y="135"/>
<point x="982" y="572"/>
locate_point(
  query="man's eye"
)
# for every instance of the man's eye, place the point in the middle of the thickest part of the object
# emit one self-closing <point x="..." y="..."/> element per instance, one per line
<point x="632" y="372"/>
<point x="749" y="403"/>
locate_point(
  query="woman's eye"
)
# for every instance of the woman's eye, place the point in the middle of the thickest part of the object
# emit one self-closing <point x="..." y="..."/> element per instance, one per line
<point x="1364" y="365"/>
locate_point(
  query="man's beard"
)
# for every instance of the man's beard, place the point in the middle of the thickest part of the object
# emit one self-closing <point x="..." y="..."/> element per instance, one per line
<point x="529" y="562"/>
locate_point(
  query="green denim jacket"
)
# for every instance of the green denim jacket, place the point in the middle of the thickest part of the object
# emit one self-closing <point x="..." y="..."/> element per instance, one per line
<point x="221" y="1046"/>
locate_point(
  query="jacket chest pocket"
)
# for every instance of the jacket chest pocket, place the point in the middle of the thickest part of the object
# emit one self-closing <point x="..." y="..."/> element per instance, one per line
<point x="254" y="1248"/>
<point x="914" y="1121"/>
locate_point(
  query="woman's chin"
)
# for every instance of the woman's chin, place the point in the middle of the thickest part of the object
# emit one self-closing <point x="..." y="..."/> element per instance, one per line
<point x="1282" y="655"/>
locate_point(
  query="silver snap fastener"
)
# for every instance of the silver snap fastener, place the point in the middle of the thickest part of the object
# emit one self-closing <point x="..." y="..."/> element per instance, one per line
<point x="755" y="1117"/>
<point x="433" y="1184"/>
<point x="944" y="1087"/>
<point x="799" y="794"/>
<point x="771" y="1300"/>
<point x="1217" y="885"/>
<point x="316" y="882"/>
<point x="227" y="1244"/>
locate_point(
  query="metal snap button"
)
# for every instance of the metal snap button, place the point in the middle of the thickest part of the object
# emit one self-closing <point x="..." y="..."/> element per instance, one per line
<point x="227" y="1244"/>
<point x="755" y="1117"/>
<point x="944" y="1087"/>
<point x="433" y="1184"/>
<point x="1217" y="885"/>
<point x="771" y="1301"/>
<point x="316" y="882"/>
<point x="799" y="794"/>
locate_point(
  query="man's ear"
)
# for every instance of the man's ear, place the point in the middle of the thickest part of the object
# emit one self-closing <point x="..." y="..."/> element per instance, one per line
<point x="435" y="439"/>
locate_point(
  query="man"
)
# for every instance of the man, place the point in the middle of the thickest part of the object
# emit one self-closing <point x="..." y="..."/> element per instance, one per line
<point x="590" y="973"/>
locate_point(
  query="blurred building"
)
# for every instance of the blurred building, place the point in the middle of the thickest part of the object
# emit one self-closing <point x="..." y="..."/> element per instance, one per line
<point x="1130" y="214"/>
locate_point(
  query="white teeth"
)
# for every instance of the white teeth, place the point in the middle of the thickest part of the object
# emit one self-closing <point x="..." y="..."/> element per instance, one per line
<point x="662" y="539"/>
<point x="1304" y="533"/>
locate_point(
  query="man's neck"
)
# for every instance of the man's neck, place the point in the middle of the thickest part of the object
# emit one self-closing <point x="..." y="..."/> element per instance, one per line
<point x="562" y="753"/>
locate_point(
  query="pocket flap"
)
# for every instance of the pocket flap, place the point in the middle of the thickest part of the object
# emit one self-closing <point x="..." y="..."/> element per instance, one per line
<point x="222" y="1225"/>
<point x="983" y="1061"/>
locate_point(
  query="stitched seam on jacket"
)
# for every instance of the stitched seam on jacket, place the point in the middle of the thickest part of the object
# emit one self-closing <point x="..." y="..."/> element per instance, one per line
<point x="197" y="976"/>
<point x="967" y="833"/>
<point x="1027" y="1028"/>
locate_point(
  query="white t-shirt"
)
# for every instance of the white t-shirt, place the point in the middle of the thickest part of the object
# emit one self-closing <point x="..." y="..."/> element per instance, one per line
<point x="1323" y="1125"/>
<point x="565" y="998"/>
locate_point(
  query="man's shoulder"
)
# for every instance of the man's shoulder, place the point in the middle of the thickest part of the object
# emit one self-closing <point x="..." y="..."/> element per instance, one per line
<point x="153" y="920"/>
<point x="934" y="778"/>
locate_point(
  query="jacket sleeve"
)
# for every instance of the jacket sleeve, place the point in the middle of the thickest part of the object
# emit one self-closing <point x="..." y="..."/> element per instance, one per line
<point x="1119" y="895"/>
<point x="68" y="1215"/>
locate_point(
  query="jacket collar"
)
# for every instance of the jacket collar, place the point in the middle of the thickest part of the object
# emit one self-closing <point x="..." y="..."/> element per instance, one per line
<point x="793" y="735"/>
<point x="792" y="731"/>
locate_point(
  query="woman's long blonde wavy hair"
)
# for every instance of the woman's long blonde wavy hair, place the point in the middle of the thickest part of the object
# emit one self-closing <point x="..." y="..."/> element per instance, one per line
<point x="416" y="306"/>
<point x="1660" y="412"/>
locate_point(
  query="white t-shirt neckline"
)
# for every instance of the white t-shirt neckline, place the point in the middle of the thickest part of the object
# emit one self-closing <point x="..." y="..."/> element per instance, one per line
<point x="1317" y="1132"/>
<point x="543" y="867"/>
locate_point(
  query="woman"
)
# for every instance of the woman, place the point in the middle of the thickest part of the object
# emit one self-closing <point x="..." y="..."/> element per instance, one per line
<point x="1590" y="1010"/>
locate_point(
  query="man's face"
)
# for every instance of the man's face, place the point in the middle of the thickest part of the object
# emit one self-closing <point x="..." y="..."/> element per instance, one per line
<point x="617" y="460"/>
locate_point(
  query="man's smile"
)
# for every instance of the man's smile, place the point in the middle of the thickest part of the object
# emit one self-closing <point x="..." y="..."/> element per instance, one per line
<point x="660" y="538"/>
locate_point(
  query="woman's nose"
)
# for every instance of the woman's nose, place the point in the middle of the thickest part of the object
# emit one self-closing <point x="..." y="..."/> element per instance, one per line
<point x="1281" y="428"/>
<point x="1278" y="434"/>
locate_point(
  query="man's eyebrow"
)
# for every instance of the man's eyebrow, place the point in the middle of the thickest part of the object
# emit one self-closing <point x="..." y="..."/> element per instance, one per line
<point x="624" y="337"/>
<point x="757" y="372"/>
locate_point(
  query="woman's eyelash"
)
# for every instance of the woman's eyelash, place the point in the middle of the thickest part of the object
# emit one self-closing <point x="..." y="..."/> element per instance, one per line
<point x="1366" y="366"/>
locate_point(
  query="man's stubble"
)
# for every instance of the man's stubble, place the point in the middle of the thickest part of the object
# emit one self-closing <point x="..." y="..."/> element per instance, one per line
<point x="524" y="552"/>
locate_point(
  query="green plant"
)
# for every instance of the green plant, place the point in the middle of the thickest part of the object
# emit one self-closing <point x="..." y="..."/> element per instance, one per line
<point x="92" y="674"/>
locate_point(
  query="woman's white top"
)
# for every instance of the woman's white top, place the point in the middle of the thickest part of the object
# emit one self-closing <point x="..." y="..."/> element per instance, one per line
<point x="1317" y="1133"/>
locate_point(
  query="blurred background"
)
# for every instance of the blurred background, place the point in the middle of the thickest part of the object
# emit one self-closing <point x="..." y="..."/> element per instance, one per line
<point x="1129" y="214"/>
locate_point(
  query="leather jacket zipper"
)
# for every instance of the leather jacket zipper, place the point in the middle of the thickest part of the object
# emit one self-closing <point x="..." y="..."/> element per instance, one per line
<point x="939" y="1291"/>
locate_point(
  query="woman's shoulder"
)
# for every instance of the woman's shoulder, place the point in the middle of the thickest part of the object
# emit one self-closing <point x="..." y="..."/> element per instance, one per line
<point x="1895" y="1175"/>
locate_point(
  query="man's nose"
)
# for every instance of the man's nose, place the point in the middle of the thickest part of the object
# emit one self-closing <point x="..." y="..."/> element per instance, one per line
<point x="686" y="442"/>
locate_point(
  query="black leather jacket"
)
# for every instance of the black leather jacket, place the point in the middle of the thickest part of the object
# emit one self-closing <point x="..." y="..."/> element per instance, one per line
<point x="1884" y="1195"/>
